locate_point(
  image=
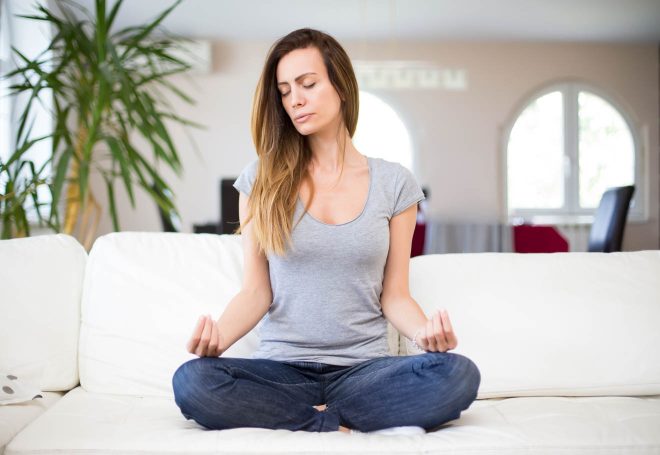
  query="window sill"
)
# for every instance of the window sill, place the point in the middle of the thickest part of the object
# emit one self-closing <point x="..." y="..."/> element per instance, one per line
<point x="567" y="219"/>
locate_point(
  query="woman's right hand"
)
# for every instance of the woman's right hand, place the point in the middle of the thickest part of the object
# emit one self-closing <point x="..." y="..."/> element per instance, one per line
<point x="206" y="340"/>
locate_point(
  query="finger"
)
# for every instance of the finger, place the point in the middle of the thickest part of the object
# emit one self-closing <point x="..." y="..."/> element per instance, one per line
<point x="197" y="333"/>
<point x="435" y="333"/>
<point x="449" y="330"/>
<point x="428" y="337"/>
<point x="439" y="333"/>
<point x="213" y="343"/>
<point x="197" y="336"/>
<point x="204" y="341"/>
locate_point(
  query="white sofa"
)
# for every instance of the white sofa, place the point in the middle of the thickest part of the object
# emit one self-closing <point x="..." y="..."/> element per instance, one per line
<point x="568" y="346"/>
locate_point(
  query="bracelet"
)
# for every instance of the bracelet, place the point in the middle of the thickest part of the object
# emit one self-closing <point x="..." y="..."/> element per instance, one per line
<point x="414" y="341"/>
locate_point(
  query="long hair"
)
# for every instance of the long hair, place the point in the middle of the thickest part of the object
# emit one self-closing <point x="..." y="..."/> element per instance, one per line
<point x="284" y="154"/>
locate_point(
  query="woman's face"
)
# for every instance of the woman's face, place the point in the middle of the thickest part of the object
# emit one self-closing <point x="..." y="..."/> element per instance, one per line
<point x="307" y="94"/>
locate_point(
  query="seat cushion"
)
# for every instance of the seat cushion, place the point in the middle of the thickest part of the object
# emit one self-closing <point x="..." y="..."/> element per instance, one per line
<point x="14" y="417"/>
<point x="560" y="324"/>
<point x="109" y="424"/>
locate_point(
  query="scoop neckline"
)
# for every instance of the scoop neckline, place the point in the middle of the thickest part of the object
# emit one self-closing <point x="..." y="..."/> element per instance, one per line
<point x="364" y="208"/>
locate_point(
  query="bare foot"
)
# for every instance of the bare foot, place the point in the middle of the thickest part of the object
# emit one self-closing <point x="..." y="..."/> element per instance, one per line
<point x="323" y="407"/>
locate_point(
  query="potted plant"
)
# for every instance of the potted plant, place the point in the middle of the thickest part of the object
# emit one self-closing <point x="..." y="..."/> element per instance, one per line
<point x="108" y="87"/>
<point x="20" y="181"/>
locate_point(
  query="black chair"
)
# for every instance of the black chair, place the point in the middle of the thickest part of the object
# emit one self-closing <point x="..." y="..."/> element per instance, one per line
<point x="606" y="232"/>
<point x="229" y="220"/>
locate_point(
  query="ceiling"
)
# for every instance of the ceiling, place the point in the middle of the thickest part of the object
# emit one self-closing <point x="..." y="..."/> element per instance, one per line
<point x="620" y="21"/>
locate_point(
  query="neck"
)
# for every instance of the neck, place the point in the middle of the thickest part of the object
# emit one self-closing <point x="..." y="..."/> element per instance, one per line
<point x="327" y="151"/>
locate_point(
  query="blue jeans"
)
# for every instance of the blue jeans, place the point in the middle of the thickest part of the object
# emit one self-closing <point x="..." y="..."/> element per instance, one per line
<point x="425" y="390"/>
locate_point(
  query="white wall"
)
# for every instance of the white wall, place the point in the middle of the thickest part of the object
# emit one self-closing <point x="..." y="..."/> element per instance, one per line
<point x="457" y="135"/>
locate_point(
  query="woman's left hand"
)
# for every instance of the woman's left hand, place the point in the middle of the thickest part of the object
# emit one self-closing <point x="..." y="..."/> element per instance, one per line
<point x="437" y="335"/>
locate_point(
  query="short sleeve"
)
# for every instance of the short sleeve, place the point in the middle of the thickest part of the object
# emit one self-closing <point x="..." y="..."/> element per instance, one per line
<point x="246" y="178"/>
<point x="407" y="190"/>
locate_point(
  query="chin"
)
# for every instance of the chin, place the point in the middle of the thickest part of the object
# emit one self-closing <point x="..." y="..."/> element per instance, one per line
<point x="307" y="131"/>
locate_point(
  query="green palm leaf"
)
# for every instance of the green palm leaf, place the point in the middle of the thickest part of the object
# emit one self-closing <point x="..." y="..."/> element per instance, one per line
<point x="108" y="85"/>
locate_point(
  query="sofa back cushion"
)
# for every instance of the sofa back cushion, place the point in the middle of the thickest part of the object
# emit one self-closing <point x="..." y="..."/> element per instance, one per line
<point x="40" y="287"/>
<point x="561" y="324"/>
<point x="142" y="296"/>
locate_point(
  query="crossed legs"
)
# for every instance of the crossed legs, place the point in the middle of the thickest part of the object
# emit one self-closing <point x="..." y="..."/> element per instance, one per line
<point x="221" y="393"/>
<point x="425" y="390"/>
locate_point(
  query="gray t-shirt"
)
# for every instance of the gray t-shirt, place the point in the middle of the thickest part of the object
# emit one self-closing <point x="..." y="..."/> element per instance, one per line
<point x="326" y="289"/>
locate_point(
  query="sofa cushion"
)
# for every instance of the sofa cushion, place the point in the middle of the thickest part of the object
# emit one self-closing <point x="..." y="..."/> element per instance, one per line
<point x="562" y="324"/>
<point x="142" y="296"/>
<point x="40" y="291"/>
<point x="91" y="423"/>
<point x="14" y="417"/>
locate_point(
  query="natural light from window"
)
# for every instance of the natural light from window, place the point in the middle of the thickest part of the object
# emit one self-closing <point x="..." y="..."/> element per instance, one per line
<point x="535" y="155"/>
<point x="607" y="153"/>
<point x="380" y="132"/>
<point x="567" y="139"/>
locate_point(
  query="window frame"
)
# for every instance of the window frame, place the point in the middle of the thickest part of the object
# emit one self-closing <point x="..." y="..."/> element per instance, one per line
<point x="570" y="212"/>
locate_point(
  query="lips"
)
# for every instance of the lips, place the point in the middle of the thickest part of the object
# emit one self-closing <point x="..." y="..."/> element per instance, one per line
<point x="302" y="117"/>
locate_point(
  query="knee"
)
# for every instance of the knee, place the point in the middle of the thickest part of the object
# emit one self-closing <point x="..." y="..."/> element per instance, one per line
<point x="468" y="377"/>
<point x="187" y="383"/>
<point x="460" y="371"/>
<point x="182" y="382"/>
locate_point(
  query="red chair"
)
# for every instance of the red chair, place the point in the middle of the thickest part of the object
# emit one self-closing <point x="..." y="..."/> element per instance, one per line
<point x="538" y="239"/>
<point x="418" y="239"/>
<point x="419" y="234"/>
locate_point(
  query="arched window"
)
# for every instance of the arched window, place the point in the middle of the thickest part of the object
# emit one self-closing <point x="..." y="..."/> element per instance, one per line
<point x="565" y="148"/>
<point x="381" y="133"/>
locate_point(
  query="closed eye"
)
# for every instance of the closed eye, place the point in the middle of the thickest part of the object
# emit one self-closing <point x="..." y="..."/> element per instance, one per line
<point x="305" y="86"/>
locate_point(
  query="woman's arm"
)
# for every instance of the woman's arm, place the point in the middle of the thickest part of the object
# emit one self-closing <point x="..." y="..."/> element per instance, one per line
<point x="433" y="334"/>
<point x="211" y="338"/>
<point x="247" y="308"/>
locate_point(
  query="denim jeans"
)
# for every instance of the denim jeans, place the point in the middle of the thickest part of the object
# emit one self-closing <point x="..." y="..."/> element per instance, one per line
<point x="425" y="390"/>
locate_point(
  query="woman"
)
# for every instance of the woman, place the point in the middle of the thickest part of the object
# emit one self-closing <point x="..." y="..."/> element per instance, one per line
<point x="326" y="235"/>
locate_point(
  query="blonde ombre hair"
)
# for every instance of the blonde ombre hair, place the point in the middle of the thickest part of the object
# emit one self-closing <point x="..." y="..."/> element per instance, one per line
<point x="284" y="154"/>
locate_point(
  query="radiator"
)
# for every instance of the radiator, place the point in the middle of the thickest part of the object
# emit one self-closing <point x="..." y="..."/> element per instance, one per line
<point x="442" y="237"/>
<point x="577" y="235"/>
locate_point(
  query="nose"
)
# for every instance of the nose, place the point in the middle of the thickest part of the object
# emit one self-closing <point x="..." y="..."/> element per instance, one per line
<point x="297" y="98"/>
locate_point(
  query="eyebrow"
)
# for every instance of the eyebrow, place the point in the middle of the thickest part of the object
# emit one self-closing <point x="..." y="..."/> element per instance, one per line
<point x="297" y="79"/>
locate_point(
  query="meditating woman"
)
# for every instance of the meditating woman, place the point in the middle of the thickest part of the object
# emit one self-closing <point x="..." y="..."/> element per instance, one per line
<point x="326" y="234"/>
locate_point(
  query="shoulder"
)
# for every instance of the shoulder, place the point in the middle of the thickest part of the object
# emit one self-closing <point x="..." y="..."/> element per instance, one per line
<point x="246" y="178"/>
<point x="397" y="184"/>
<point x="251" y="167"/>
<point x="390" y="171"/>
<point x="386" y="166"/>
